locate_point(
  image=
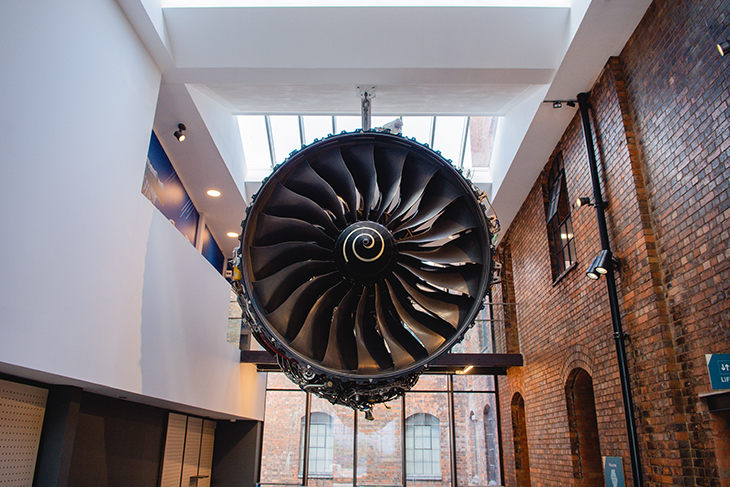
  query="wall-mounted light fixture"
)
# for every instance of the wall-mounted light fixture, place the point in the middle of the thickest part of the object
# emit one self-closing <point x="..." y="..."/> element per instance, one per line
<point x="179" y="133"/>
<point x="602" y="264"/>
<point x="605" y="262"/>
<point x="591" y="272"/>
<point x="559" y="103"/>
<point x="723" y="47"/>
<point x="583" y="201"/>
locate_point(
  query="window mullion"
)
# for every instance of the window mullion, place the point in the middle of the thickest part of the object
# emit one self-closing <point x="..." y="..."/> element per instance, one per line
<point x="452" y="431"/>
<point x="307" y="424"/>
<point x="354" y="445"/>
<point x="403" y="438"/>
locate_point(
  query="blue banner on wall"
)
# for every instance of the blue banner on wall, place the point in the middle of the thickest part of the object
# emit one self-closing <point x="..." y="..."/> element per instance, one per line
<point x="211" y="251"/>
<point x="164" y="189"/>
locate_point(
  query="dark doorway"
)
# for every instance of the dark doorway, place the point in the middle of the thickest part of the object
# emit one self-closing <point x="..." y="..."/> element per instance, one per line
<point x="519" y="434"/>
<point x="585" y="448"/>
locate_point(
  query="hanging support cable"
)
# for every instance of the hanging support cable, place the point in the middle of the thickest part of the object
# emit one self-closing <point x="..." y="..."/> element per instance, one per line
<point x="366" y="94"/>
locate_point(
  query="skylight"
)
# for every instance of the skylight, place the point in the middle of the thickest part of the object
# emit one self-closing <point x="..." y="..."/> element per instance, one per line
<point x="366" y="3"/>
<point x="269" y="139"/>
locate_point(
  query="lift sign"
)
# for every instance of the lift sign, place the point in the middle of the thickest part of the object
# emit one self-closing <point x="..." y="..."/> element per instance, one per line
<point x="718" y="365"/>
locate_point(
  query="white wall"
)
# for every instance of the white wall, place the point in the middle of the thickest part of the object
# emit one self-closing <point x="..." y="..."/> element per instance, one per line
<point x="96" y="286"/>
<point x="223" y="128"/>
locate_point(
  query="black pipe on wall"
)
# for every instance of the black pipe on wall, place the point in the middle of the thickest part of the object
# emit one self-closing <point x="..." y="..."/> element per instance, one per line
<point x="618" y="333"/>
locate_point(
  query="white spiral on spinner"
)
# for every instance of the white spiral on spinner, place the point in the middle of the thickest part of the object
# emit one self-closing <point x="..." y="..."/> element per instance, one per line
<point x="367" y="238"/>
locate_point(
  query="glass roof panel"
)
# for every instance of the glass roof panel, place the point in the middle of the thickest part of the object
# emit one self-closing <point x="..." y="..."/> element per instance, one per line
<point x="380" y="121"/>
<point x="448" y="137"/>
<point x="481" y="138"/>
<point x="255" y="142"/>
<point x="418" y="128"/>
<point x="285" y="133"/>
<point x="366" y="3"/>
<point x="447" y="133"/>
<point x="316" y="127"/>
<point x="347" y="123"/>
<point x="467" y="162"/>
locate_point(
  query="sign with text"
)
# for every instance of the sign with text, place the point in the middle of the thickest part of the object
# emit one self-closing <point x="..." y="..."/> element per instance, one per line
<point x="613" y="471"/>
<point x="718" y="364"/>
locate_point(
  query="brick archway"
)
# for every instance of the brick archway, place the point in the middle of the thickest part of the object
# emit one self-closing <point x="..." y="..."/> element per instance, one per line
<point x="519" y="435"/>
<point x="585" y="447"/>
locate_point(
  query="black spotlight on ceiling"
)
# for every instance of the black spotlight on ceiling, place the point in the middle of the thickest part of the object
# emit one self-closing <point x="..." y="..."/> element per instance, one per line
<point x="557" y="104"/>
<point x="179" y="133"/>
<point x="592" y="272"/>
<point x="723" y="47"/>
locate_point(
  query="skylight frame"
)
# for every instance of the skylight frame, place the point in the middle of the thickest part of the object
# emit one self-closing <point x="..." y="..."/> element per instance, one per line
<point x="454" y="145"/>
<point x="367" y="3"/>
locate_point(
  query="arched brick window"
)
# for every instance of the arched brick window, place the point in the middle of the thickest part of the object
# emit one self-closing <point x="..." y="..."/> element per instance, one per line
<point x="585" y="447"/>
<point x="519" y="436"/>
<point x="423" y="447"/>
<point x="321" y="445"/>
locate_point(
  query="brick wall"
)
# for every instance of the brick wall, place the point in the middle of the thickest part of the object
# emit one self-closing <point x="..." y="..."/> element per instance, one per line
<point x="662" y="133"/>
<point x="682" y="125"/>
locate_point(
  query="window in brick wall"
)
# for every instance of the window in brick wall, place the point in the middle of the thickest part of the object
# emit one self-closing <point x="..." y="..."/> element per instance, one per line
<point x="321" y="445"/>
<point x="559" y="223"/>
<point x="423" y="446"/>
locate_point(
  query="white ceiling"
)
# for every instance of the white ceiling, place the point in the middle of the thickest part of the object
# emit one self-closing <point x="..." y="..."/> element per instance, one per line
<point x="487" y="57"/>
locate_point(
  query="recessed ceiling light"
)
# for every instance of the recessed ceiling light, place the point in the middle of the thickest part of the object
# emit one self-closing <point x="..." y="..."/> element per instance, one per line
<point x="232" y="234"/>
<point x="214" y="193"/>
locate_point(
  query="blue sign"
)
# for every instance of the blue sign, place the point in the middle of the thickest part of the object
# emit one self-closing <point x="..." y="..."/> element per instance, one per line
<point x="613" y="470"/>
<point x="718" y="364"/>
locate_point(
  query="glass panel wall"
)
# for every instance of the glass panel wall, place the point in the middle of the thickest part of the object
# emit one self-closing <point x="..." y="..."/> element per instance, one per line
<point x="282" y="433"/>
<point x="477" y="443"/>
<point x="474" y="383"/>
<point x="480" y="338"/>
<point x="379" y="447"/>
<point x="428" y="439"/>
<point x="407" y="441"/>
<point x="431" y="383"/>
<point x="334" y="460"/>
